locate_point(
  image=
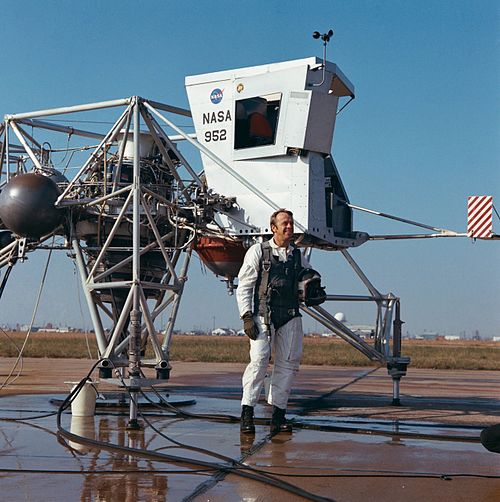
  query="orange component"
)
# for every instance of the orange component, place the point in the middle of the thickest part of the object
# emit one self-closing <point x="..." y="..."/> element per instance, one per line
<point x="223" y="257"/>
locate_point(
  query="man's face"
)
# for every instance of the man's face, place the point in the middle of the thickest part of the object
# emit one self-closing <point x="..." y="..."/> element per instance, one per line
<point x="283" y="230"/>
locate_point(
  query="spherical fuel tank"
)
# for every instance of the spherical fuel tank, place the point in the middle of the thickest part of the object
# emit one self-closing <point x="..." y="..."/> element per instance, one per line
<point x="27" y="205"/>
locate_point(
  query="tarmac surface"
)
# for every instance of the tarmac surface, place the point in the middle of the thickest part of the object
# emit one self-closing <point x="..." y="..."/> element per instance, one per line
<point x="349" y="443"/>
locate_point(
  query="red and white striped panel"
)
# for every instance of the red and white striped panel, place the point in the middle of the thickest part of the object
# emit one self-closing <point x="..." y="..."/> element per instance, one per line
<point x="480" y="216"/>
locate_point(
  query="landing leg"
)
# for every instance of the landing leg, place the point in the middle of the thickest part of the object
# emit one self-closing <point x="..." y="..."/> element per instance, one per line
<point x="397" y="365"/>
<point x="397" y="368"/>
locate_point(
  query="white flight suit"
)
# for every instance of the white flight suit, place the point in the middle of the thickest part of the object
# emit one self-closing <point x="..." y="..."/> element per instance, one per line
<point x="286" y="340"/>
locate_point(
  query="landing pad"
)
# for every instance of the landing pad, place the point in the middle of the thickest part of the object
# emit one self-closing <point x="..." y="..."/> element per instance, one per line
<point x="348" y="444"/>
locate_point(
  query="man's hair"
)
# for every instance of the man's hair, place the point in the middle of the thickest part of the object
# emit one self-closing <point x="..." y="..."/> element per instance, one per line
<point x="275" y="214"/>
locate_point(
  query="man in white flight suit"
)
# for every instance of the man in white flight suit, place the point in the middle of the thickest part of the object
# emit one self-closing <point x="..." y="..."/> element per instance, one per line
<point x="271" y="317"/>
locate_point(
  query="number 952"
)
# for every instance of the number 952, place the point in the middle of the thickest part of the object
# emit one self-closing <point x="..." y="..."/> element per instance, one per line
<point x="215" y="135"/>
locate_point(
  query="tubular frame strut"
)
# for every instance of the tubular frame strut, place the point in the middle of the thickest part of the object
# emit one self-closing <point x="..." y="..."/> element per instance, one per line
<point x="386" y="347"/>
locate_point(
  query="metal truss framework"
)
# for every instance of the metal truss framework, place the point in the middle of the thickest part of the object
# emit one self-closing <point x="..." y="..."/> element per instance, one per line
<point x="131" y="277"/>
<point x="115" y="285"/>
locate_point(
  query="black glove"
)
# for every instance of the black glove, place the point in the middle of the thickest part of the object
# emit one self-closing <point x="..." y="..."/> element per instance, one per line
<point x="249" y="326"/>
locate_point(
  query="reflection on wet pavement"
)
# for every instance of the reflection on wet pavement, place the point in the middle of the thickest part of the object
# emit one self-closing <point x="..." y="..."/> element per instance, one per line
<point x="363" y="456"/>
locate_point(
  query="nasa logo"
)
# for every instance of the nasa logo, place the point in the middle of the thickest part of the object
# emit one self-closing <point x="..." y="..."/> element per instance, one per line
<point x="216" y="96"/>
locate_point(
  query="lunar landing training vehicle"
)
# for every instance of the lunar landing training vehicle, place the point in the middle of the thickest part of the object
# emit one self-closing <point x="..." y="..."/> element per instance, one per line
<point x="129" y="209"/>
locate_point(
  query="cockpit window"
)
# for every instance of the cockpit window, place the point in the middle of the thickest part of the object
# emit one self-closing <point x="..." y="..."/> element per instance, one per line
<point x="256" y="121"/>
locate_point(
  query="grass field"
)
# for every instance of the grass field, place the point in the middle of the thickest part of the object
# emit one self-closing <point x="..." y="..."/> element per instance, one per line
<point x="480" y="355"/>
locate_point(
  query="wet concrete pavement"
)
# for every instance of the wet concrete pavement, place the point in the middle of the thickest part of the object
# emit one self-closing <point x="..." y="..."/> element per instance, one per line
<point x="349" y="443"/>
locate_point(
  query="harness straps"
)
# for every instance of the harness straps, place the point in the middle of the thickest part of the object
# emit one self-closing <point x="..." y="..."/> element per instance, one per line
<point x="265" y="267"/>
<point x="297" y="267"/>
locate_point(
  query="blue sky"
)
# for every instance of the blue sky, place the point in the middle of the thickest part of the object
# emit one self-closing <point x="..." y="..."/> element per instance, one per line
<point x="422" y="134"/>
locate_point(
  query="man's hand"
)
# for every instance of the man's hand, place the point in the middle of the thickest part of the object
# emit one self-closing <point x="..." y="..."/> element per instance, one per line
<point x="249" y="326"/>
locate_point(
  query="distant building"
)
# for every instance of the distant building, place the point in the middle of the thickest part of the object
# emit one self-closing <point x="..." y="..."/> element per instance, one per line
<point x="34" y="329"/>
<point x="428" y="335"/>
<point x="223" y="332"/>
<point x="362" y="330"/>
<point x="451" y="338"/>
<point x="328" y="335"/>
